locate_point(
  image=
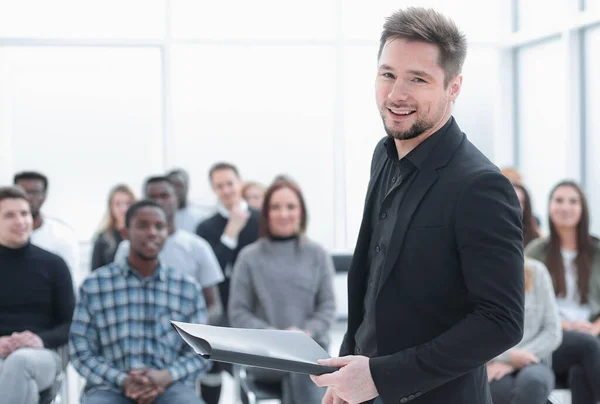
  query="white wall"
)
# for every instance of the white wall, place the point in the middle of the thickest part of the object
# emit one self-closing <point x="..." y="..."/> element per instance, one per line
<point x="269" y="88"/>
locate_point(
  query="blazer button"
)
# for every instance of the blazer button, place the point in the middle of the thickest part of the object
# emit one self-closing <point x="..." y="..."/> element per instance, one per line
<point x="383" y="215"/>
<point x="378" y="249"/>
<point x="404" y="400"/>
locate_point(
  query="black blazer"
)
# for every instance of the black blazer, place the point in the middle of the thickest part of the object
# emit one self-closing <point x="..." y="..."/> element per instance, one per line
<point x="452" y="289"/>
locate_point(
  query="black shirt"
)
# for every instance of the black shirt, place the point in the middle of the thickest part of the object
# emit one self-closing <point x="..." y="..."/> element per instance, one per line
<point x="212" y="229"/>
<point x="391" y="189"/>
<point x="36" y="294"/>
<point x="105" y="248"/>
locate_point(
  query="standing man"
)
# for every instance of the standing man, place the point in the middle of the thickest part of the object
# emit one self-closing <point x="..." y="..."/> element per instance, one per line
<point x="436" y="286"/>
<point x="234" y="226"/>
<point x="188" y="216"/>
<point x="48" y="233"/>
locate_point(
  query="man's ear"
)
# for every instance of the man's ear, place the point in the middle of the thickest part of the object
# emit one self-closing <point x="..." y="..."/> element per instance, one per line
<point x="124" y="233"/>
<point x="455" y="86"/>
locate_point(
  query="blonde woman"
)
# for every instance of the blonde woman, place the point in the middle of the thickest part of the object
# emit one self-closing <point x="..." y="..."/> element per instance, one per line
<point x="521" y="375"/>
<point x="109" y="235"/>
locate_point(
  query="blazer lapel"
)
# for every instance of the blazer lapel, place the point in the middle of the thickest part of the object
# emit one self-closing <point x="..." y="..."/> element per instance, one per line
<point x="424" y="180"/>
<point x="439" y="158"/>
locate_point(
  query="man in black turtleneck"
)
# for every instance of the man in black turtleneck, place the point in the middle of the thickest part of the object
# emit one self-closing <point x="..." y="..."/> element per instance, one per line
<point x="36" y="304"/>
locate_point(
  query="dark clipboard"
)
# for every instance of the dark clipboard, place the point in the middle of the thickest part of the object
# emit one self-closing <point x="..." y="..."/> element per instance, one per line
<point x="287" y="351"/>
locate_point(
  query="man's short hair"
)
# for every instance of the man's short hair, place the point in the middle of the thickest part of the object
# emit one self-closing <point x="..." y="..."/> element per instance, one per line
<point x="155" y="180"/>
<point x="31" y="175"/>
<point x="12" y="193"/>
<point x="427" y="25"/>
<point x="135" y="208"/>
<point x="179" y="171"/>
<point x="222" y="166"/>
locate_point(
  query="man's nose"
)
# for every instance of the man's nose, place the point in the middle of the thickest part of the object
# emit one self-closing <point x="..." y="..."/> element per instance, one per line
<point x="398" y="92"/>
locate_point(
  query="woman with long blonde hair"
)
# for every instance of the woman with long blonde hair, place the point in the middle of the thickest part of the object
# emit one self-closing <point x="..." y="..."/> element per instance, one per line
<point x="109" y="235"/>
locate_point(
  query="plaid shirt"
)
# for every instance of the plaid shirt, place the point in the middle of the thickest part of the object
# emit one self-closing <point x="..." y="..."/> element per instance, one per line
<point x="122" y="322"/>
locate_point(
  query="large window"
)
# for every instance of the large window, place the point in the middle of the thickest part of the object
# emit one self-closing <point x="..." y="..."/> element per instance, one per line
<point x="543" y="132"/>
<point x="87" y="118"/>
<point x="267" y="109"/>
<point x="592" y="123"/>
<point x="556" y="96"/>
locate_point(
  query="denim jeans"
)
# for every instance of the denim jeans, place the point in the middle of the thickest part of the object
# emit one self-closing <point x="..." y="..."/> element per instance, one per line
<point x="176" y="393"/>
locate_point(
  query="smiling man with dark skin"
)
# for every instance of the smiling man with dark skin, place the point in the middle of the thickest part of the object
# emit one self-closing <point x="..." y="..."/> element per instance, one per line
<point x="183" y="251"/>
<point x="121" y="339"/>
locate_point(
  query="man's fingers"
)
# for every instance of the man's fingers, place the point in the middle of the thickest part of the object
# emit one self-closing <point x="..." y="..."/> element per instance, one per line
<point x="325" y="380"/>
<point x="336" y="362"/>
<point x="148" y="396"/>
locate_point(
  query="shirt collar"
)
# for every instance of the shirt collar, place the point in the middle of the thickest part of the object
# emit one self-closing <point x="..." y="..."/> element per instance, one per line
<point x="419" y="154"/>
<point x="160" y="273"/>
<point x="223" y="211"/>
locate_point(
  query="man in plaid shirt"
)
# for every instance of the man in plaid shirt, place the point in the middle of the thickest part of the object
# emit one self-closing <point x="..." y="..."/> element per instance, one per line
<point x="121" y="340"/>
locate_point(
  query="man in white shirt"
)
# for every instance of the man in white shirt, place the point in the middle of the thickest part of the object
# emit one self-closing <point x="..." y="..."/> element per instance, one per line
<point x="183" y="251"/>
<point x="48" y="233"/>
<point x="188" y="216"/>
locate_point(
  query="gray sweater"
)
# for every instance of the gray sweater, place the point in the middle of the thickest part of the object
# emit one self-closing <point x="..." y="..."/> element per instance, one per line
<point x="542" y="332"/>
<point x="283" y="284"/>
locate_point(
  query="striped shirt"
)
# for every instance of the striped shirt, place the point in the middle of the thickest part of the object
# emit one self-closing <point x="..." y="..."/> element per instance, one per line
<point x="122" y="321"/>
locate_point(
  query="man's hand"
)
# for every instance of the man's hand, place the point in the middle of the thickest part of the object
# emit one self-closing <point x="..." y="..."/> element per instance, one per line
<point x="237" y="220"/>
<point x="353" y="383"/>
<point x="332" y="398"/>
<point x="160" y="378"/>
<point x="519" y="358"/>
<point x="7" y="346"/>
<point x="140" y="388"/>
<point x="497" y="370"/>
<point x="584" y="326"/>
<point x="27" y="339"/>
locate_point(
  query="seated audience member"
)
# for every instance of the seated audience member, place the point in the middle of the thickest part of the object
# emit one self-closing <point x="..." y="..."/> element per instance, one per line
<point x="572" y="257"/>
<point x="253" y="193"/>
<point x="109" y="236"/>
<point x="531" y="229"/>
<point x="188" y="216"/>
<point x="183" y="251"/>
<point x="284" y="281"/>
<point x="121" y="339"/>
<point x="231" y="228"/>
<point x="234" y="226"/>
<point x="521" y="375"/>
<point x="48" y="233"/>
<point x="36" y="305"/>
<point x="513" y="175"/>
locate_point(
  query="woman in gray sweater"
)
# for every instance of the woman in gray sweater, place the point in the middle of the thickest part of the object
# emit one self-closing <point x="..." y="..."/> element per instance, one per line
<point x="284" y="281"/>
<point x="521" y="375"/>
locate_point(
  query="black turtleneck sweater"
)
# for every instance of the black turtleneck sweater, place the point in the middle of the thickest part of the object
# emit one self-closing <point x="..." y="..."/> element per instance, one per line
<point x="36" y="294"/>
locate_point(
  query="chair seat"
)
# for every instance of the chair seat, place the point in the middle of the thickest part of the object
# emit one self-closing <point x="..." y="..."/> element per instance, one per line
<point x="48" y="395"/>
<point x="265" y="390"/>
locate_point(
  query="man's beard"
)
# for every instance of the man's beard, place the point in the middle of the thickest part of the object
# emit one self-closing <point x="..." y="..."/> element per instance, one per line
<point x="416" y="130"/>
